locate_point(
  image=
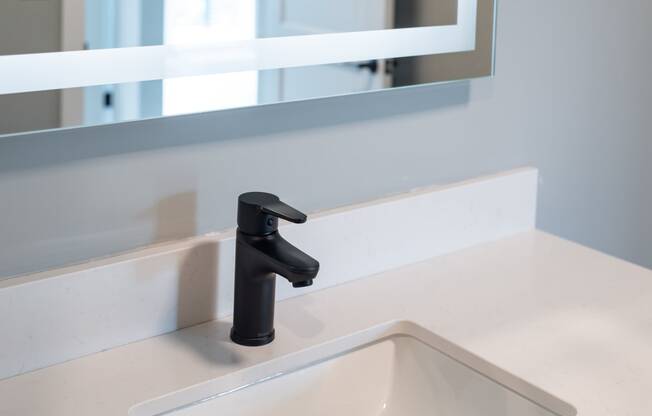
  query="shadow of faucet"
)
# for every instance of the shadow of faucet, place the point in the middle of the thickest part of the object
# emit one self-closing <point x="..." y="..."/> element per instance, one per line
<point x="197" y="290"/>
<point x="175" y="217"/>
<point x="197" y="307"/>
<point x="197" y="285"/>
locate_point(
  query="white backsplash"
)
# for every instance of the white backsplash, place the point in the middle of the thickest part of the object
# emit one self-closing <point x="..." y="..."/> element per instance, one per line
<point x="51" y="317"/>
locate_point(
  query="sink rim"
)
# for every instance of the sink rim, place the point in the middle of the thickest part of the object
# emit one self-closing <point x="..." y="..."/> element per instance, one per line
<point x="292" y="362"/>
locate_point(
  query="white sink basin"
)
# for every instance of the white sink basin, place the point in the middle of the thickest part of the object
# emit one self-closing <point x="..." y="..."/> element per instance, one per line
<point x="399" y="369"/>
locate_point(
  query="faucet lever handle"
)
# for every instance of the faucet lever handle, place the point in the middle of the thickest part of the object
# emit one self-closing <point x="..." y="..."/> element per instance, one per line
<point x="258" y="213"/>
<point x="282" y="210"/>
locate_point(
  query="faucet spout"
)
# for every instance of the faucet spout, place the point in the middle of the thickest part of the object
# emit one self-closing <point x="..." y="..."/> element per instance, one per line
<point x="261" y="253"/>
<point x="283" y="258"/>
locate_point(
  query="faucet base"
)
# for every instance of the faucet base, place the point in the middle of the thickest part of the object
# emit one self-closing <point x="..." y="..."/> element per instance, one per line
<point x="251" y="342"/>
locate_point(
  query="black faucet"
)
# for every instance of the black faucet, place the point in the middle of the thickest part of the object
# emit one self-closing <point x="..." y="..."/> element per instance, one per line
<point x="260" y="254"/>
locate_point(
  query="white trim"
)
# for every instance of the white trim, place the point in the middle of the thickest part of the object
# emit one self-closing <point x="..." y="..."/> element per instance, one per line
<point x="36" y="72"/>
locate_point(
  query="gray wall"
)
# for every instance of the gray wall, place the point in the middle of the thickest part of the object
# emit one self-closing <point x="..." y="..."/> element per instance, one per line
<point x="571" y="96"/>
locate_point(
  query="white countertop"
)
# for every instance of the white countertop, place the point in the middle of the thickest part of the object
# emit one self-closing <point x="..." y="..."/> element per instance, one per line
<point x="570" y="320"/>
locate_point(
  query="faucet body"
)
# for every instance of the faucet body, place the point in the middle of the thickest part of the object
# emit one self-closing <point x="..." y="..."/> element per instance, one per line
<point x="260" y="254"/>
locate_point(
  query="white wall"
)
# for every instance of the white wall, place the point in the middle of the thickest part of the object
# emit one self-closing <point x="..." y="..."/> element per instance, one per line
<point x="572" y="96"/>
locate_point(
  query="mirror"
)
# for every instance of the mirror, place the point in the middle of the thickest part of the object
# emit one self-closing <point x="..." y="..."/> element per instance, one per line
<point x="67" y="63"/>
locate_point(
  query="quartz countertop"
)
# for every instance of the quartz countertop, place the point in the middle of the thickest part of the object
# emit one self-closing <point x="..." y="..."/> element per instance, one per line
<point x="570" y="320"/>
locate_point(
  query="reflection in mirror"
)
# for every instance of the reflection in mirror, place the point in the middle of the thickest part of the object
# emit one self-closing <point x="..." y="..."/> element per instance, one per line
<point x="48" y="26"/>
